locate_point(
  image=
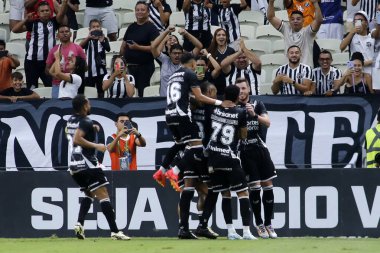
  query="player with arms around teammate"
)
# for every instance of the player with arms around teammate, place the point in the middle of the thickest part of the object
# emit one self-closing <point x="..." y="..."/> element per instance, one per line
<point x="183" y="84"/>
<point x="229" y="124"/>
<point x="256" y="160"/>
<point x="84" y="166"/>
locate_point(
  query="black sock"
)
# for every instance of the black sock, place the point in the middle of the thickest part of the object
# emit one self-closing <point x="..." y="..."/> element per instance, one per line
<point x="109" y="213"/>
<point x="209" y="207"/>
<point x="255" y="199"/>
<point x="184" y="206"/>
<point x="244" y="211"/>
<point x="268" y="201"/>
<point x="227" y="209"/>
<point x="85" y="205"/>
<point x="172" y="152"/>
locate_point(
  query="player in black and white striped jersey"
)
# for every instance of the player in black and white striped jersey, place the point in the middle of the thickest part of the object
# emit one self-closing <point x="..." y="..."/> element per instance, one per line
<point x="243" y="63"/>
<point x="326" y="77"/>
<point x="43" y="32"/>
<point x="159" y="14"/>
<point x="228" y="19"/>
<point x="294" y="77"/>
<point x="197" y="23"/>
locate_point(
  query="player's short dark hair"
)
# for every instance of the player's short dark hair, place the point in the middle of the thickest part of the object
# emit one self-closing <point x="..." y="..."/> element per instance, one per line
<point x="78" y="102"/>
<point x="17" y="75"/>
<point x="231" y="93"/>
<point x="205" y="86"/>
<point x="95" y="20"/>
<point x="296" y="13"/>
<point x="2" y="43"/>
<point x="175" y="47"/>
<point x="122" y="114"/>
<point x="186" y="58"/>
<point x="292" y="46"/>
<point x="242" y="80"/>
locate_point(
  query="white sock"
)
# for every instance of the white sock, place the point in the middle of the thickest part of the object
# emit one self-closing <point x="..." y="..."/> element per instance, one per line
<point x="176" y="170"/>
<point x="246" y="229"/>
<point x="162" y="169"/>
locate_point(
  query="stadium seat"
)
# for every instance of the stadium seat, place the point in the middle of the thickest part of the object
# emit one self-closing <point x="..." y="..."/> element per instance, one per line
<point x="177" y="18"/>
<point x="18" y="38"/>
<point x="331" y="45"/>
<point x="121" y="33"/>
<point x="259" y="47"/>
<point x="278" y="5"/>
<point x="282" y="14"/>
<point x="172" y="4"/>
<point x="82" y="6"/>
<point x="1" y="6"/>
<point x="3" y="34"/>
<point x="214" y="28"/>
<point x="266" y="89"/>
<point x="155" y="80"/>
<point x="268" y="32"/>
<point x="108" y="61"/>
<point x="247" y="32"/>
<point x="122" y="6"/>
<point x="4" y="24"/>
<point x="152" y="91"/>
<point x="90" y="92"/>
<point x="340" y="58"/>
<point x="127" y="19"/>
<point x="270" y="62"/>
<point x="80" y="19"/>
<point x="115" y="47"/>
<point x="253" y="18"/>
<point x="18" y="50"/>
<point x="119" y="19"/>
<point x="44" y="92"/>
<point x="278" y="47"/>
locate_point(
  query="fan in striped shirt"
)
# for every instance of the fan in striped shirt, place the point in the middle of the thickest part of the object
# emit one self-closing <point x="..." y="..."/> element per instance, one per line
<point x="243" y="63"/>
<point x="369" y="7"/>
<point x="159" y="14"/>
<point x="293" y="78"/>
<point x="326" y="77"/>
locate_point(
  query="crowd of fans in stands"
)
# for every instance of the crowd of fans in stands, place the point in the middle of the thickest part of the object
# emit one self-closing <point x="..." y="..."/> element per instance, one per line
<point x="67" y="67"/>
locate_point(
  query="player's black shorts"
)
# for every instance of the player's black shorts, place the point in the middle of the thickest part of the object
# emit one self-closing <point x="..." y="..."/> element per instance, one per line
<point x="257" y="164"/>
<point x="183" y="129"/>
<point x="90" y="179"/>
<point x="224" y="180"/>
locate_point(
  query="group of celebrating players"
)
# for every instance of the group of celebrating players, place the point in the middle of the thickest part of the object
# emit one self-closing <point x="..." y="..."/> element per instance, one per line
<point x="219" y="148"/>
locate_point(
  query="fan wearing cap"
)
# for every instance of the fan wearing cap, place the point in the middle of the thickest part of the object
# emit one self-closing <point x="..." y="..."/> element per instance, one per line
<point x="359" y="40"/>
<point x="369" y="7"/>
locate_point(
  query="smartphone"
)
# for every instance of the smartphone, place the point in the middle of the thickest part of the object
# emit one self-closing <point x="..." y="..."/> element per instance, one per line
<point x="350" y="65"/>
<point x="358" y="23"/>
<point x="128" y="125"/>
<point x="97" y="33"/>
<point x="200" y="69"/>
<point x="378" y="17"/>
<point x="130" y="42"/>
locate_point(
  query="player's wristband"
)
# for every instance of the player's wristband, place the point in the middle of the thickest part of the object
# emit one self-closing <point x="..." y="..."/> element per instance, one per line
<point x="217" y="102"/>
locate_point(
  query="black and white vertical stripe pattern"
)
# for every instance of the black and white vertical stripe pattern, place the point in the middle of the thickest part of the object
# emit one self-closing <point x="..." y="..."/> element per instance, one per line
<point x="298" y="74"/>
<point x="197" y="18"/>
<point x="154" y="17"/>
<point x="249" y="73"/>
<point x="369" y="6"/>
<point x="95" y="49"/>
<point x="324" y="83"/>
<point x="42" y="40"/>
<point x="117" y="89"/>
<point x="228" y="20"/>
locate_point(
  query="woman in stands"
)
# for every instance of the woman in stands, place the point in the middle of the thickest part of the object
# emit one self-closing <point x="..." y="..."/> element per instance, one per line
<point x="71" y="81"/>
<point x="356" y="81"/>
<point x="219" y="49"/>
<point x="136" y="47"/>
<point x="118" y="83"/>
